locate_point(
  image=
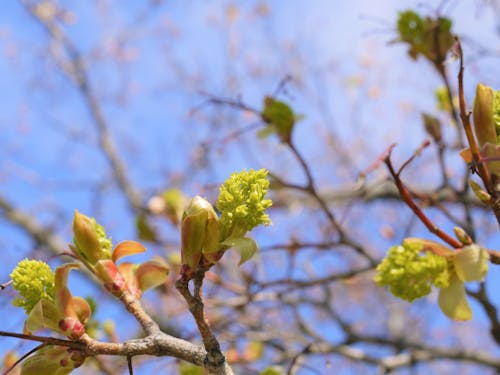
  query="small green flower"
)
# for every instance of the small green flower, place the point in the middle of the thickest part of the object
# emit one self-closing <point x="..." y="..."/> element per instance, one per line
<point x="34" y="280"/>
<point x="242" y="203"/>
<point x="410" y="274"/>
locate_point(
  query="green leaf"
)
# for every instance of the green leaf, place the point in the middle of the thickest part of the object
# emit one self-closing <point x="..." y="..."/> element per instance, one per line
<point x="280" y="116"/>
<point x="453" y="301"/>
<point x="52" y="360"/>
<point x="266" y="131"/>
<point x="246" y="246"/>
<point x="43" y="315"/>
<point x="471" y="263"/>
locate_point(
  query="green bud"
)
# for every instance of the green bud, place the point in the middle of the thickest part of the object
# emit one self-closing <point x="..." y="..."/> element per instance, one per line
<point x="90" y="239"/>
<point x="199" y="233"/>
<point x="432" y="126"/>
<point x="484" y="126"/>
<point x="486" y="113"/>
<point x="462" y="236"/>
<point x="482" y="195"/>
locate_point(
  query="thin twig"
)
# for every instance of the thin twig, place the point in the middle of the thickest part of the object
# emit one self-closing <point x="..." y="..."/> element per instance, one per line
<point x="129" y="364"/>
<point x="407" y="198"/>
<point x="78" y="75"/>
<point x="23" y="357"/>
<point x="5" y="285"/>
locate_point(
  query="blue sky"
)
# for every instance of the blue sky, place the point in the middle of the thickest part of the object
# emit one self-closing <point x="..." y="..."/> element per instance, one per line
<point x="148" y="69"/>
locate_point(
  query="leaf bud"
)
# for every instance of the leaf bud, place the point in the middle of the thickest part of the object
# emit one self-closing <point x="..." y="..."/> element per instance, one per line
<point x="90" y="239"/>
<point x="199" y="233"/>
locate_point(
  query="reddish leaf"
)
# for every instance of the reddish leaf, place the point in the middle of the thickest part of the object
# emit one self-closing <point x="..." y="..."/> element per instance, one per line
<point x="127" y="248"/>
<point x="82" y="308"/>
<point x="466" y="155"/>
<point x="151" y="274"/>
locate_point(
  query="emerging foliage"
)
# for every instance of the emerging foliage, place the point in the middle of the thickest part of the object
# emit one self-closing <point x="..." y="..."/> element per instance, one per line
<point x="429" y="37"/>
<point x="242" y="205"/>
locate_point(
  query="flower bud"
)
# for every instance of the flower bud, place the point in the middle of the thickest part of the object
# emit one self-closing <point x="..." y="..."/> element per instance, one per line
<point x="482" y="195"/>
<point x="72" y="328"/>
<point x="110" y="276"/>
<point x="462" y="236"/>
<point x="484" y="125"/>
<point x="89" y="240"/>
<point x="432" y="126"/>
<point x="199" y="232"/>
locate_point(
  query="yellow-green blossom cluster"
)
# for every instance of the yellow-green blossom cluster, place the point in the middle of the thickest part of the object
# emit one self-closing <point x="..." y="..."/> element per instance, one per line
<point x="242" y="202"/>
<point x="104" y="241"/>
<point x="34" y="280"/>
<point x="410" y="274"/>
